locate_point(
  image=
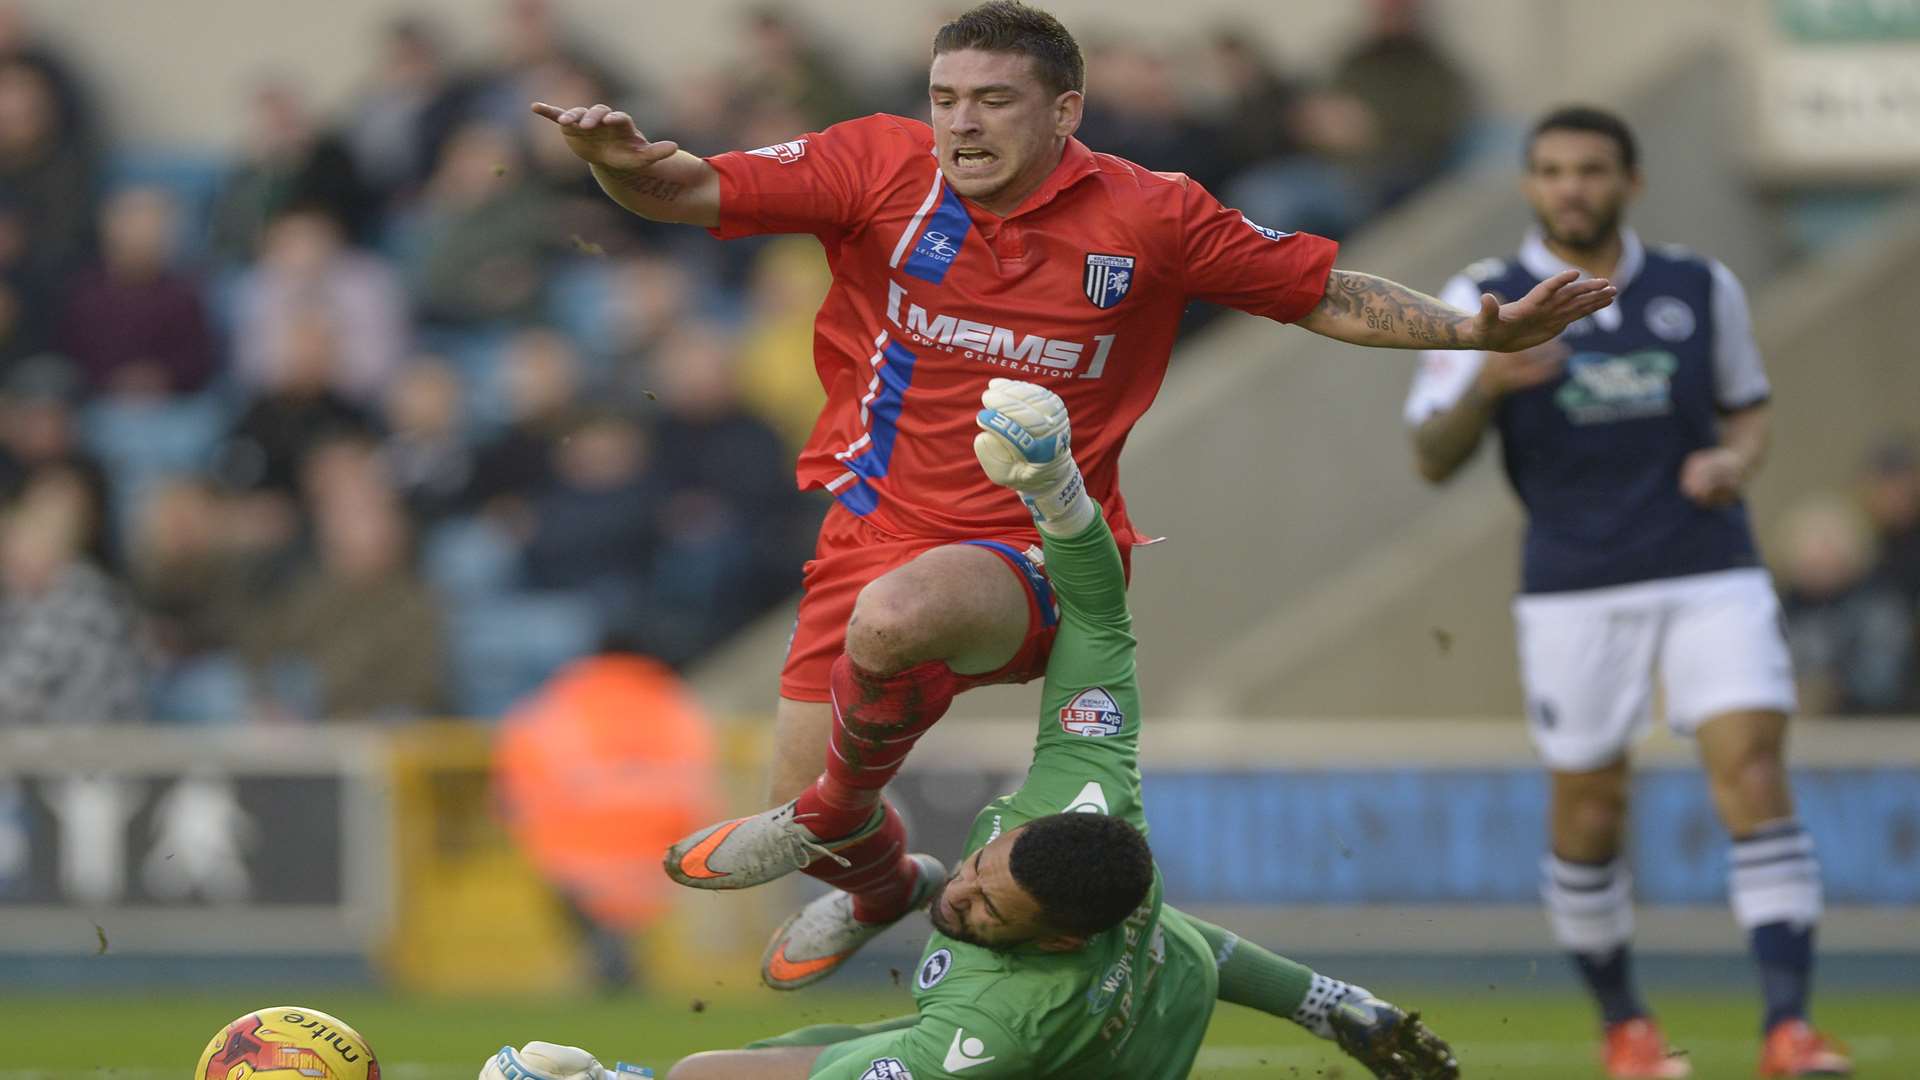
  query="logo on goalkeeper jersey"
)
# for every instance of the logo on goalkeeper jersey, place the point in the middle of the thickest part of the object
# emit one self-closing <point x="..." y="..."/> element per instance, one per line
<point x="934" y="969"/>
<point x="1092" y="712"/>
<point x="887" y="1069"/>
<point x="785" y="153"/>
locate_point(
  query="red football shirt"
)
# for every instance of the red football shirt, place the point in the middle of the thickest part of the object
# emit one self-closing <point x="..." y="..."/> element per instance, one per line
<point x="1080" y="289"/>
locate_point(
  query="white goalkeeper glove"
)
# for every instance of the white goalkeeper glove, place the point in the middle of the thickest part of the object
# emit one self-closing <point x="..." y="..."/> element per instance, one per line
<point x="1025" y="443"/>
<point x="551" y="1061"/>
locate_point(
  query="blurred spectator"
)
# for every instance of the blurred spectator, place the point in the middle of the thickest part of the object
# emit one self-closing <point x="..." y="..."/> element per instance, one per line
<point x="48" y="181"/>
<point x="269" y="444"/>
<point x="593" y="528"/>
<point x="1418" y="103"/>
<point x="651" y="294"/>
<point x="482" y="235"/>
<point x="1892" y="497"/>
<point x="67" y="648"/>
<point x="541" y="374"/>
<point x="610" y="762"/>
<point x="288" y="161"/>
<point x="72" y="101"/>
<point x="400" y="120"/>
<point x="1134" y="111"/>
<point x="529" y="37"/>
<point x="731" y="512"/>
<point x="196" y="566"/>
<point x="136" y="327"/>
<point x="784" y="65"/>
<point x="1851" y="632"/>
<point x="38" y="429"/>
<point x="199" y="562"/>
<point x="1254" y="117"/>
<point x="305" y="266"/>
<point x="359" y="623"/>
<point x="777" y="379"/>
<point x="427" y="452"/>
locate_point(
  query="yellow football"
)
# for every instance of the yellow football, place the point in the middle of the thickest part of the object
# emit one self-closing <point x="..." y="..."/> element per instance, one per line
<point x="287" y="1042"/>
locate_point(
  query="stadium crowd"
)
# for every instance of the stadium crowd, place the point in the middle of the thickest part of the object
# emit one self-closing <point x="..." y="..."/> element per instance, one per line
<point x="391" y="411"/>
<point x="388" y="412"/>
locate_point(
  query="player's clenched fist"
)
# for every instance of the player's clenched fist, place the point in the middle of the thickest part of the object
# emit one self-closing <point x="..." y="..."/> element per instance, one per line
<point x="601" y="135"/>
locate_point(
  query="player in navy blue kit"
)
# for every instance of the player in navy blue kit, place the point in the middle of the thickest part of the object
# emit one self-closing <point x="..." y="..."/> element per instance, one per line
<point x="1629" y="440"/>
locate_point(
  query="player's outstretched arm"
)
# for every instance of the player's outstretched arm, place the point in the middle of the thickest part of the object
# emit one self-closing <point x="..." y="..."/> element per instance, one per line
<point x="657" y="180"/>
<point x="1392" y="1043"/>
<point x="1362" y="309"/>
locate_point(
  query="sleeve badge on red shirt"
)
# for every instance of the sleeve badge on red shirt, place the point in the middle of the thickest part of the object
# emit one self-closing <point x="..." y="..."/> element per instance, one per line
<point x="785" y="153"/>
<point x="1108" y="278"/>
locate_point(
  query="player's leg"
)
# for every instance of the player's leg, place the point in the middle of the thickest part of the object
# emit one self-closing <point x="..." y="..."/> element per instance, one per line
<point x="801" y="730"/>
<point x="1385" y="1038"/>
<point x="915" y="633"/>
<point x="810" y="1051"/>
<point x="781" y="1063"/>
<point x="962" y="602"/>
<point x="1728" y="680"/>
<point x="1586" y="660"/>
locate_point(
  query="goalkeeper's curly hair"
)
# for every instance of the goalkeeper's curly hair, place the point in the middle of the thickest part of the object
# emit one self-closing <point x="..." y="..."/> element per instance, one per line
<point x="1087" y="871"/>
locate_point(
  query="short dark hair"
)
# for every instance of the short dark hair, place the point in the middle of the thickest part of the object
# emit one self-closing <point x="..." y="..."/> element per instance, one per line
<point x="1087" y="871"/>
<point x="1590" y="119"/>
<point x="1010" y="26"/>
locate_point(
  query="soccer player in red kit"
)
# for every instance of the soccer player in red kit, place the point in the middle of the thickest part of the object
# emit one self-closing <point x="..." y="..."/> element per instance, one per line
<point x="991" y="243"/>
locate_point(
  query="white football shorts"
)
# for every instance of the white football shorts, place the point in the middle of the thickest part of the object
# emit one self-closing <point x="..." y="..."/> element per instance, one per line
<point x="1588" y="659"/>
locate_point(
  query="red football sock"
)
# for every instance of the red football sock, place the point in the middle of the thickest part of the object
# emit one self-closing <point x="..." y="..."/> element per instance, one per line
<point x="878" y="872"/>
<point x="876" y="721"/>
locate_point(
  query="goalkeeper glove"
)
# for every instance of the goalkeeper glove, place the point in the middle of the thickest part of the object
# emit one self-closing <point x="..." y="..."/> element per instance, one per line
<point x="551" y="1061"/>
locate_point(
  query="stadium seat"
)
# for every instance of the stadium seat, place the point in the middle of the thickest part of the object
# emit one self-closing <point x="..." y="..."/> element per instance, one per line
<point x="210" y="689"/>
<point x="468" y="558"/>
<point x="580" y="302"/>
<point x="475" y="355"/>
<point x="142" y="444"/>
<point x="191" y="177"/>
<point x="503" y="648"/>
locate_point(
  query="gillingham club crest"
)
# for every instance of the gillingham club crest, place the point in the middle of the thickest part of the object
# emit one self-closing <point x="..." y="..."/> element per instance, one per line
<point x="1108" y="278"/>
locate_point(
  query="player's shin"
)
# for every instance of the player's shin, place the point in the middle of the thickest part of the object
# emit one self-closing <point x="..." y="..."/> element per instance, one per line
<point x="1774" y="886"/>
<point x="1590" y="907"/>
<point x="876" y="721"/>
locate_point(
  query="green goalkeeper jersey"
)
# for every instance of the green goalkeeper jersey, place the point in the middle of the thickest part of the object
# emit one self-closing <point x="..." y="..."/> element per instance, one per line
<point x="1134" y="1002"/>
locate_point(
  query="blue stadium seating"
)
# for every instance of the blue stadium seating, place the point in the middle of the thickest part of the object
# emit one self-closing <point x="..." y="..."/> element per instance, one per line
<point x="504" y="647"/>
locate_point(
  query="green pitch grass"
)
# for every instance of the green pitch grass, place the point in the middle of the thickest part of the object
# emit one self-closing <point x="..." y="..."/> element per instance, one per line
<point x="1500" y="1034"/>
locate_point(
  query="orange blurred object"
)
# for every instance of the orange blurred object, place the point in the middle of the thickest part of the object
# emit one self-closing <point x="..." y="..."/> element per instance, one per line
<point x="599" y="772"/>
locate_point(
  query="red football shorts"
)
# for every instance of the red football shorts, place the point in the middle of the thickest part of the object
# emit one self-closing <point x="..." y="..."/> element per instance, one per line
<point x="852" y="553"/>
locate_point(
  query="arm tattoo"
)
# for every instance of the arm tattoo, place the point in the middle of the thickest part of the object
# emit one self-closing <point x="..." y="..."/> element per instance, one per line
<point x="651" y="186"/>
<point x="1382" y="305"/>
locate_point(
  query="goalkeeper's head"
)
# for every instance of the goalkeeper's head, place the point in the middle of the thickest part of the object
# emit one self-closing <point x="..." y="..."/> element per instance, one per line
<point x="1052" y="883"/>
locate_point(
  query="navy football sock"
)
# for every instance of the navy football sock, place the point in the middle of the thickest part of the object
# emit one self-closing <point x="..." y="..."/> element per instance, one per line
<point x="1609" y="977"/>
<point x="1785" y="953"/>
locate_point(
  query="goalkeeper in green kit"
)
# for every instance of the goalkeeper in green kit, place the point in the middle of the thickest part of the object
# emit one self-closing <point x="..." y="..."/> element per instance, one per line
<point x="1054" y="955"/>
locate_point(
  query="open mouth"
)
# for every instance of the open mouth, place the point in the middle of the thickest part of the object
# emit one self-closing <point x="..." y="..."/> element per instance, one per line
<point x="973" y="160"/>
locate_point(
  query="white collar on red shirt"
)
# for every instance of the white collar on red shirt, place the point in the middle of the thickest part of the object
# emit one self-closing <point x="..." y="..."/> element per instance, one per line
<point x="1543" y="263"/>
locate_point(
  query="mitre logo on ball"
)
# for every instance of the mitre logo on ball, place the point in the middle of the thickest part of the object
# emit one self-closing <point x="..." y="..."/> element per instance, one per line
<point x="1092" y="712"/>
